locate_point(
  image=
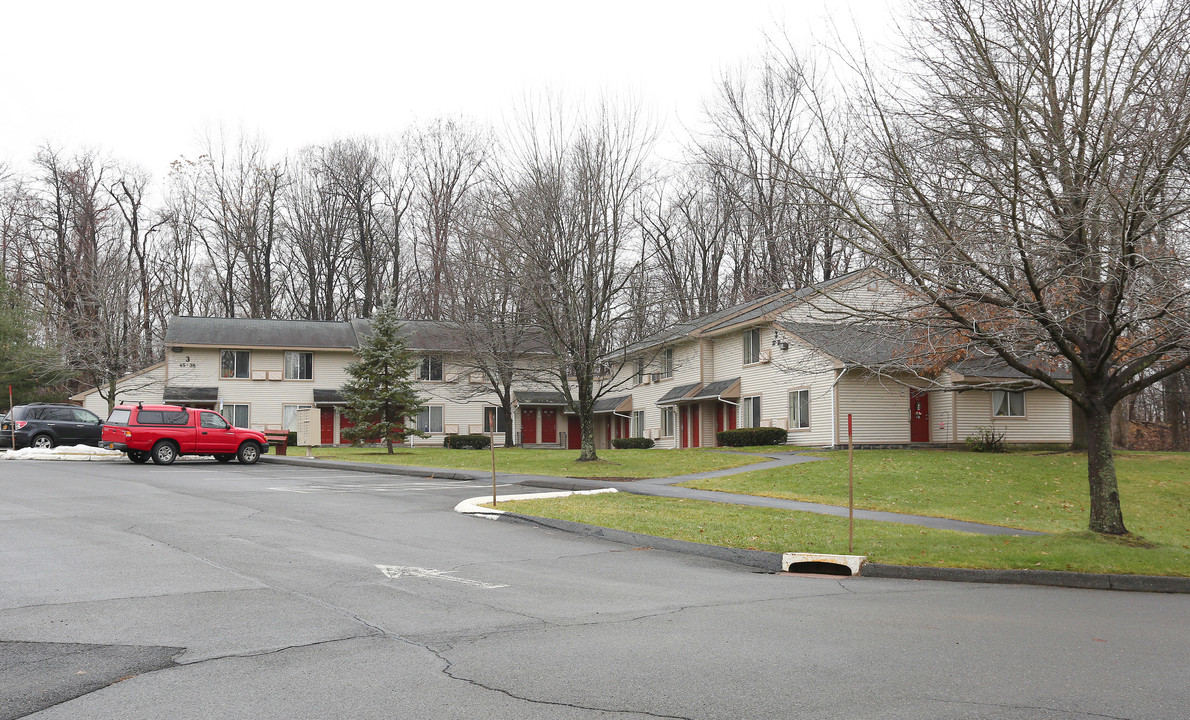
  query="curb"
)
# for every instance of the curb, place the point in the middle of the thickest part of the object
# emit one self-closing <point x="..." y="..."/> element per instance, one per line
<point x="375" y="468"/>
<point x="771" y="562"/>
<point x="763" y="560"/>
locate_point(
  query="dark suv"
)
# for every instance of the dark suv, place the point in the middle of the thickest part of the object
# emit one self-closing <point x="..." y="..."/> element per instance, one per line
<point x="45" y="425"/>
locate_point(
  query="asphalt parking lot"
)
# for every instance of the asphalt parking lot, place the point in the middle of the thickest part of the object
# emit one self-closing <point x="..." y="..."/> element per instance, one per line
<point x="219" y="591"/>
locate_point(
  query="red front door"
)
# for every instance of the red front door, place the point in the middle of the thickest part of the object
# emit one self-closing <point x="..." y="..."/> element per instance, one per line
<point x="574" y="434"/>
<point x="694" y="439"/>
<point x="529" y="426"/>
<point x="549" y="425"/>
<point x="919" y="416"/>
<point x="683" y="425"/>
<point x="328" y="425"/>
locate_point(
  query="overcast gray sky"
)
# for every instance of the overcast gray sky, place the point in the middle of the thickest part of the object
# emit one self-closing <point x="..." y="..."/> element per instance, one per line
<point x="140" y="78"/>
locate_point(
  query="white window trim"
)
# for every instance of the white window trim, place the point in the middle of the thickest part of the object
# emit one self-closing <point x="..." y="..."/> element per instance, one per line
<point x="809" y="412"/>
<point x="671" y="414"/>
<point x="755" y="348"/>
<point x="430" y="418"/>
<point x="235" y="376"/>
<point x="499" y="410"/>
<point x="441" y="369"/>
<point x="638" y="423"/>
<point x="296" y="407"/>
<point x="667" y="364"/>
<point x="1024" y="406"/>
<point x="758" y="411"/>
<point x="223" y="412"/>
<point x="285" y="365"/>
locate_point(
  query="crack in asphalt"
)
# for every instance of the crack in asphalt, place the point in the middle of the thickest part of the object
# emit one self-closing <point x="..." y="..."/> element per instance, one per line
<point x="1012" y="706"/>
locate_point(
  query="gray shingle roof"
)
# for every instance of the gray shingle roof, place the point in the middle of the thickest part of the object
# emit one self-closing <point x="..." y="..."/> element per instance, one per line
<point x="718" y="389"/>
<point x="679" y="393"/>
<point x="539" y="397"/>
<point x="247" y="332"/>
<point x="620" y="403"/>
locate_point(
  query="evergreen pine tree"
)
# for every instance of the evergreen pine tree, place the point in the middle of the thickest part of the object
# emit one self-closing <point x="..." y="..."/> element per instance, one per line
<point x="380" y="395"/>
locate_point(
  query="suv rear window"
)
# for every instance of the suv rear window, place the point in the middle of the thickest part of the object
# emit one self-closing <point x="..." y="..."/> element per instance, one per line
<point x="119" y="416"/>
<point x="162" y="417"/>
<point x="19" y="412"/>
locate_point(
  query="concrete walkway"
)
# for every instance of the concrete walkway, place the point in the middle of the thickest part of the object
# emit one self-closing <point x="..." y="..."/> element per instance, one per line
<point x="666" y="487"/>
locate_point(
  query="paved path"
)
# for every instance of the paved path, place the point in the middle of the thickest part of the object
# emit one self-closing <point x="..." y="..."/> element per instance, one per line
<point x="667" y="487"/>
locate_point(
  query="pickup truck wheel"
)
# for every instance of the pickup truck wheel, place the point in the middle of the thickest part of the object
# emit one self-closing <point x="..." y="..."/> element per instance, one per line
<point x="225" y="457"/>
<point x="138" y="456"/>
<point x="249" y="453"/>
<point x="164" y="452"/>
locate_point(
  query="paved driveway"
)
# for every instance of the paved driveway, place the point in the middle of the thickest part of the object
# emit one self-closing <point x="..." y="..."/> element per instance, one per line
<point x="270" y="592"/>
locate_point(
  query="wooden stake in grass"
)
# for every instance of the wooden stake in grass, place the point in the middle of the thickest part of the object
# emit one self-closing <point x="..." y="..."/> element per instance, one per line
<point x="850" y="488"/>
<point x="492" y="445"/>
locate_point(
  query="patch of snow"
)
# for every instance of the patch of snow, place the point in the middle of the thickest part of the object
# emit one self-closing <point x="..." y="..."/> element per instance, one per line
<point x="473" y="506"/>
<point x="62" y="452"/>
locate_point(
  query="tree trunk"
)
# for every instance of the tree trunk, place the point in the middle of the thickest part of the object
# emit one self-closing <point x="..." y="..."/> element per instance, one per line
<point x="588" y="434"/>
<point x="1106" y="516"/>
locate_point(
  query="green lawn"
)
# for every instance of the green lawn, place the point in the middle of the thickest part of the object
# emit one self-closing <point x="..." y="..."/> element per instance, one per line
<point x="1037" y="491"/>
<point x="561" y="463"/>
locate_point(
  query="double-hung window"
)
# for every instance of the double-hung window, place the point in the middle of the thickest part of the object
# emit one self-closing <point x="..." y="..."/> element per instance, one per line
<point x="750" y="411"/>
<point x="299" y="365"/>
<point x="799" y="409"/>
<point x="289" y="416"/>
<point x="638" y="423"/>
<point x="236" y="414"/>
<point x="233" y="364"/>
<point x="431" y="368"/>
<point x="669" y="421"/>
<point x="640" y="372"/>
<point x="1006" y="403"/>
<point x="429" y="418"/>
<point x="751" y="346"/>
<point x="667" y="363"/>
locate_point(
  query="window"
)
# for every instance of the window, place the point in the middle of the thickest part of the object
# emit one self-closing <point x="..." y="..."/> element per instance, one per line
<point x="491" y="413"/>
<point x="640" y="371"/>
<point x="669" y="420"/>
<point x="289" y="416"/>
<point x="162" y="417"/>
<point x="1006" y="403"/>
<point x="751" y="346"/>
<point x="431" y="368"/>
<point x="799" y="409"/>
<point x="750" y="412"/>
<point x="233" y="364"/>
<point x="85" y="416"/>
<point x="667" y="363"/>
<point x="299" y="365"/>
<point x="638" y="423"/>
<point x="236" y="414"/>
<point x="429" y="418"/>
<point x="212" y="421"/>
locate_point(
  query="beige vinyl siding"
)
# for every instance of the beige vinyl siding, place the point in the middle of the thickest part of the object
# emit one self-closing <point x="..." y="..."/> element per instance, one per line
<point x="862" y="293"/>
<point x="804" y="367"/>
<point x="1046" y="420"/>
<point x="145" y="386"/>
<point x="879" y="409"/>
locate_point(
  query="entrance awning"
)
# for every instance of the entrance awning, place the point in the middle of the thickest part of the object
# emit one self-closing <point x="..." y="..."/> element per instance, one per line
<point x="618" y="404"/>
<point x="538" y="397"/>
<point x="182" y="395"/>
<point x="679" y="394"/>
<point x="718" y="390"/>
<point x="328" y="397"/>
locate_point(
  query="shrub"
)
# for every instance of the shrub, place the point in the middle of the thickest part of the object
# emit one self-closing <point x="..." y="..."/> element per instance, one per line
<point x="986" y="439"/>
<point x="466" y="442"/>
<point x="291" y="441"/>
<point x="752" y="436"/>
<point x="633" y="443"/>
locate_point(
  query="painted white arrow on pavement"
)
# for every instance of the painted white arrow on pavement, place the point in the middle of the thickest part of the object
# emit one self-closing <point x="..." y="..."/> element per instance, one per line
<point x="397" y="571"/>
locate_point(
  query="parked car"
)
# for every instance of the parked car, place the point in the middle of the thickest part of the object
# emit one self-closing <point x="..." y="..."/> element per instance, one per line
<point x="164" y="432"/>
<point x="47" y="425"/>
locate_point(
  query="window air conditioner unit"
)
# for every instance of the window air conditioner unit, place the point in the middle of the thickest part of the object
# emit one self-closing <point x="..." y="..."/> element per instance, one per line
<point x="646" y="379"/>
<point x="276" y="375"/>
<point x="656" y="377"/>
<point x="475" y="378"/>
<point x="766" y="356"/>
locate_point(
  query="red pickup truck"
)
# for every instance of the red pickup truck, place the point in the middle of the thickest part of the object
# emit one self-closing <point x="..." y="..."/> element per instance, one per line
<point x="163" y="432"/>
